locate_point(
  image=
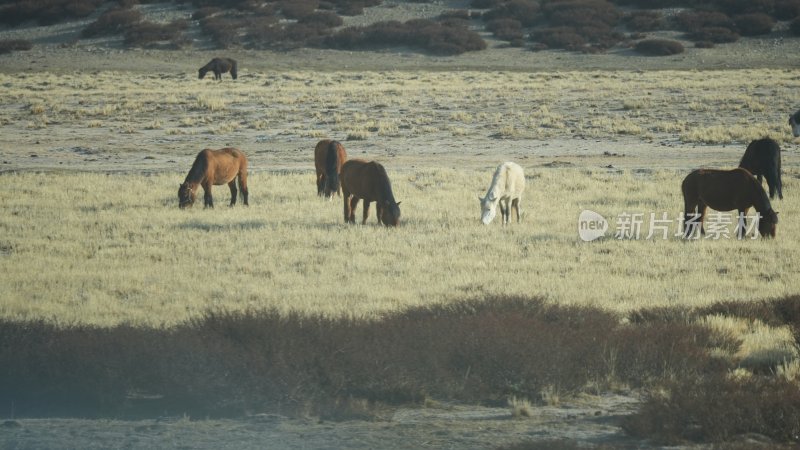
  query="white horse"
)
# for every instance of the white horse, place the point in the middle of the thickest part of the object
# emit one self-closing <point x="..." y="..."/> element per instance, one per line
<point x="506" y="189"/>
<point x="794" y="121"/>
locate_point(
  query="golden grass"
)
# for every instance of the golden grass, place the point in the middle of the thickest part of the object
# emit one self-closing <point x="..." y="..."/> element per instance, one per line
<point x="107" y="249"/>
<point x="716" y="107"/>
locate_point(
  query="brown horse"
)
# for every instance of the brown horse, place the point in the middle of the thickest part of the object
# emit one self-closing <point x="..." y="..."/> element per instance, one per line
<point x="367" y="180"/>
<point x="762" y="158"/>
<point x="726" y="190"/>
<point x="215" y="167"/>
<point x="328" y="159"/>
<point x="219" y="66"/>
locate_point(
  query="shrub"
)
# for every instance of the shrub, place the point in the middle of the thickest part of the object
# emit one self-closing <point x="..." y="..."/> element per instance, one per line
<point x="461" y="14"/>
<point x="439" y="38"/>
<point x="694" y="20"/>
<point x="483" y="4"/>
<point x="704" y="44"/>
<point x="787" y="9"/>
<point x="525" y="11"/>
<point x="111" y="22"/>
<point x="734" y="7"/>
<point x="566" y="38"/>
<point x="14" y="45"/>
<point x="579" y="12"/>
<point x="659" y="47"/>
<point x="717" y="35"/>
<point x="717" y="408"/>
<point x="148" y="33"/>
<point x="506" y="29"/>
<point x="205" y="12"/>
<point x="223" y="31"/>
<point x="297" y="9"/>
<point x="644" y="21"/>
<point x="754" y="24"/>
<point x="322" y="19"/>
<point x="45" y="12"/>
<point x="794" y="27"/>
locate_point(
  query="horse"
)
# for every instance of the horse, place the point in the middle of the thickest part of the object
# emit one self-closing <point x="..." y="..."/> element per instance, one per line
<point x="794" y="121"/>
<point x="726" y="190"/>
<point x="506" y="190"/>
<point x="219" y="66"/>
<point x="215" y="167"/>
<point x="763" y="158"/>
<point x="329" y="156"/>
<point x="368" y="180"/>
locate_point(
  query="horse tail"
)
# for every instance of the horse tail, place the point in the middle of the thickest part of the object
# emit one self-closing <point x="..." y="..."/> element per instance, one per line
<point x="332" y="168"/>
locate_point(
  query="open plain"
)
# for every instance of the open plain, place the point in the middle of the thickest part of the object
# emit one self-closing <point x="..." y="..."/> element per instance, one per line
<point x="94" y="142"/>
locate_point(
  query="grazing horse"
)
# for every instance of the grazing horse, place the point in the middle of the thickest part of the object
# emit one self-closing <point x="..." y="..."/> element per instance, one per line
<point x="367" y="180"/>
<point x="794" y="121"/>
<point x="328" y="159"/>
<point x="763" y="158"/>
<point x="726" y="190"/>
<point x="215" y="167"/>
<point x="506" y="189"/>
<point x="219" y="66"/>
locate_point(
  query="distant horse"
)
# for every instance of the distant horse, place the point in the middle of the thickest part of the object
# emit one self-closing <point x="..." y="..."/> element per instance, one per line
<point x="219" y="66"/>
<point x="726" y="190"/>
<point x="368" y="180"/>
<point x="763" y="158"/>
<point x="328" y="159"/>
<point x="215" y="167"/>
<point x="506" y="190"/>
<point x="794" y="121"/>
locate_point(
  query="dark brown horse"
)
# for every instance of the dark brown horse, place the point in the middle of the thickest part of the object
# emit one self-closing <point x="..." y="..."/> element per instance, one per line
<point x="219" y="66"/>
<point x="725" y="190"/>
<point x="763" y="159"/>
<point x="328" y="159"/>
<point x="215" y="167"/>
<point x="367" y="180"/>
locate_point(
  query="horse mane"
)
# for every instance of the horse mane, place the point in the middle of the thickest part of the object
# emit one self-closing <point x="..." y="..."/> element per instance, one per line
<point x="198" y="170"/>
<point x="386" y="185"/>
<point x="332" y="165"/>
<point x="498" y="182"/>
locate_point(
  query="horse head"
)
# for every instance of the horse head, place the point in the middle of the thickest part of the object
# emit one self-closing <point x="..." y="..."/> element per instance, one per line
<point x="202" y="72"/>
<point x="794" y="121"/>
<point x="488" y="208"/>
<point x="186" y="195"/>
<point x="767" y="223"/>
<point x="390" y="213"/>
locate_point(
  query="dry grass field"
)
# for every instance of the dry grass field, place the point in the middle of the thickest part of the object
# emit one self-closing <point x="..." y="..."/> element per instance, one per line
<point x="91" y="234"/>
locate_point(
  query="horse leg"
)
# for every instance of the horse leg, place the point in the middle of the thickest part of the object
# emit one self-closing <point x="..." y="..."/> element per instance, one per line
<point x="515" y="206"/>
<point x="366" y="212"/>
<point x="346" y="197"/>
<point x="320" y="183"/>
<point x="688" y="211"/>
<point x="741" y="223"/>
<point x="232" y="186"/>
<point x="243" y="187"/>
<point x="207" y="200"/>
<point x="701" y="209"/>
<point x="503" y="210"/>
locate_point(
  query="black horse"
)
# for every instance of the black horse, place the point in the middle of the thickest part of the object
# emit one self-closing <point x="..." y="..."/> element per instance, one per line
<point x="219" y="66"/>
<point x="763" y="159"/>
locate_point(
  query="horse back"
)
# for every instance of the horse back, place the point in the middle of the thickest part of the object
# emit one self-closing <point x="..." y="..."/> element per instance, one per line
<point x="366" y="179"/>
<point x="508" y="181"/>
<point x="723" y="190"/>
<point x="218" y="166"/>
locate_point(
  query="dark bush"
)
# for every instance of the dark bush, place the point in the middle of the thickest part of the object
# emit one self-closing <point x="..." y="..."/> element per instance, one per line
<point x="205" y="12"/>
<point x="483" y="4"/>
<point x="439" y="38"/>
<point x="704" y="44"/>
<point x="717" y="409"/>
<point x="525" y="11"/>
<point x="659" y="47"/>
<point x="717" y="35"/>
<point x="111" y="22"/>
<point x="297" y="9"/>
<point x="794" y="27"/>
<point x="566" y="38"/>
<point x="644" y="21"/>
<point x="144" y="34"/>
<point x="461" y="14"/>
<point x="223" y="31"/>
<point x="695" y="20"/>
<point x="787" y="9"/>
<point x="46" y="12"/>
<point x="754" y="24"/>
<point x="506" y="29"/>
<point x="14" y="45"/>
<point x="580" y="12"/>
<point x="322" y="19"/>
<point x="735" y="7"/>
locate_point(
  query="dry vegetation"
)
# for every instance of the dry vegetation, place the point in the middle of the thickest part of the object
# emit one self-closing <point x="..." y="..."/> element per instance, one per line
<point x="281" y="307"/>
